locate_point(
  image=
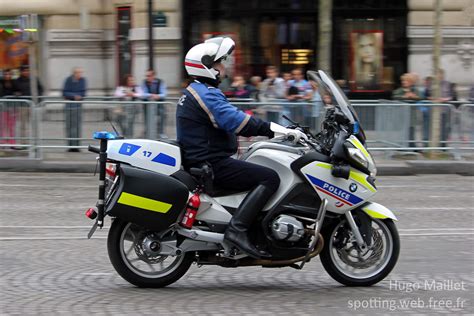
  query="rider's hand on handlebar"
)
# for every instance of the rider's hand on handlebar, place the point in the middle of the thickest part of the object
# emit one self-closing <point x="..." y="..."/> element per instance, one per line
<point x="295" y="135"/>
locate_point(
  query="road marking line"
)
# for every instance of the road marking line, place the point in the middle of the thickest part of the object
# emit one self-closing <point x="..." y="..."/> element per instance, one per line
<point x="51" y="238"/>
<point x="50" y="227"/>
<point x="46" y="184"/>
<point x="97" y="273"/>
<point x="439" y="234"/>
<point x="437" y="208"/>
<point x="421" y="229"/>
<point x="422" y="186"/>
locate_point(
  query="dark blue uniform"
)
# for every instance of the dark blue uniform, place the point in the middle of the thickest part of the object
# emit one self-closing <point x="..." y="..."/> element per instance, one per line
<point x="207" y="129"/>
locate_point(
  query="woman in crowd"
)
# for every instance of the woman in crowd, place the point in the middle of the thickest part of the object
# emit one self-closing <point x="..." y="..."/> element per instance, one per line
<point x="127" y="91"/>
<point x="7" y="110"/>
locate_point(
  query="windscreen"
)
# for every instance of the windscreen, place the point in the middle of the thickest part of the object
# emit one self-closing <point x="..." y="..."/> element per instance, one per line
<point x="331" y="94"/>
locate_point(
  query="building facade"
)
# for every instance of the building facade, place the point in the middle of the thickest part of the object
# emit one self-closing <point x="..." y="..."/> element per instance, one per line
<point x="108" y="38"/>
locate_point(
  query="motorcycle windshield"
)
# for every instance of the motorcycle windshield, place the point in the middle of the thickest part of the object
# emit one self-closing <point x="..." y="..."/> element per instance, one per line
<point x="331" y="94"/>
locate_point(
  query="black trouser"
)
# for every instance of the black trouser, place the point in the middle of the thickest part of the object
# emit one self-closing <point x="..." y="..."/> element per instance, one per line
<point x="240" y="175"/>
<point x="235" y="174"/>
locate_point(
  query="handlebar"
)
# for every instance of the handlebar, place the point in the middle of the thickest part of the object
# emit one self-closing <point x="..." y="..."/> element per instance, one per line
<point x="93" y="149"/>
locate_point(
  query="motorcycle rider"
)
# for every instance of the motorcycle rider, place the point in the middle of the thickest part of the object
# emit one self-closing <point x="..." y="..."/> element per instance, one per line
<point x="207" y="129"/>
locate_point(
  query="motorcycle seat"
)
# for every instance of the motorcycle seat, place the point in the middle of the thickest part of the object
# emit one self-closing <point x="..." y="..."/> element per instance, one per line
<point x="191" y="183"/>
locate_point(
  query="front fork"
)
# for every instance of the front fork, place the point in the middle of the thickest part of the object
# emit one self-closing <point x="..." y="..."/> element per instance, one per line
<point x="355" y="230"/>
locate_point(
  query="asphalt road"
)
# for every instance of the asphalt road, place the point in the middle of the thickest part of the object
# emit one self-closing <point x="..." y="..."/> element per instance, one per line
<point x="47" y="266"/>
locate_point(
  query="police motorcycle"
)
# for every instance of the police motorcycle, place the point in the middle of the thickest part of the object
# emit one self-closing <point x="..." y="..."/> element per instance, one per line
<point x="165" y="218"/>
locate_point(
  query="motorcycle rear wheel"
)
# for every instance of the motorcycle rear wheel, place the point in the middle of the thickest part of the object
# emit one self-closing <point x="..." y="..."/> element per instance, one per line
<point x="342" y="262"/>
<point x="126" y="240"/>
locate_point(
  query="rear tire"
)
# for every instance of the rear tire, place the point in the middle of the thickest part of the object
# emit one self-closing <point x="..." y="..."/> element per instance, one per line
<point x="334" y="270"/>
<point x="119" y="260"/>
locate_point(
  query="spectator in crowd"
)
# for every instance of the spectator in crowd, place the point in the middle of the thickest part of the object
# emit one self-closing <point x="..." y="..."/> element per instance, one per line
<point x="287" y="77"/>
<point x="23" y="90"/>
<point x="471" y="93"/>
<point x="426" y="89"/>
<point x="408" y="91"/>
<point x="125" y="115"/>
<point x="154" y="89"/>
<point x="447" y="94"/>
<point x="317" y="103"/>
<point x="7" y="114"/>
<point x="425" y="94"/>
<point x="239" y="88"/>
<point x="22" y="84"/>
<point x="273" y="87"/>
<point x="74" y="90"/>
<point x="255" y="86"/>
<point x="300" y="89"/>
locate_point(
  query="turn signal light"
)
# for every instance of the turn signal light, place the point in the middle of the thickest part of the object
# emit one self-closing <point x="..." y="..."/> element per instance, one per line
<point x="91" y="213"/>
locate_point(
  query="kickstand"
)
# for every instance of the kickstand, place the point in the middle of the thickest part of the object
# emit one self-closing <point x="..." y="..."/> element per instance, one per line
<point x="92" y="231"/>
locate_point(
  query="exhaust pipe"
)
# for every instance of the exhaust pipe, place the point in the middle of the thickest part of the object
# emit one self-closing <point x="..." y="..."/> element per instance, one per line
<point x="276" y="263"/>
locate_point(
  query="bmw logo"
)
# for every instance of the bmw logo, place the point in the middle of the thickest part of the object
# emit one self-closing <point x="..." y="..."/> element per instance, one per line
<point x="353" y="187"/>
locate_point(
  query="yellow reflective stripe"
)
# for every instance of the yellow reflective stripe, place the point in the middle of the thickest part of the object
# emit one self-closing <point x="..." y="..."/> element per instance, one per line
<point x="362" y="179"/>
<point x="374" y="214"/>
<point x="361" y="147"/>
<point x="324" y="165"/>
<point x="144" y="203"/>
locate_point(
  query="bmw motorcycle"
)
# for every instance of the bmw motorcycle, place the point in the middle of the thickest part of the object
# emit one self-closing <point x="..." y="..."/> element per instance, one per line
<point x="165" y="218"/>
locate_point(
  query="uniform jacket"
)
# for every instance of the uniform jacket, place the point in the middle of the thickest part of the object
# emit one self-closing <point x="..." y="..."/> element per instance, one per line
<point x="208" y="125"/>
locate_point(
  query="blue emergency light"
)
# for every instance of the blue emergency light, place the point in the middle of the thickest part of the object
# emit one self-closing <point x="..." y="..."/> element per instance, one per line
<point x="104" y="135"/>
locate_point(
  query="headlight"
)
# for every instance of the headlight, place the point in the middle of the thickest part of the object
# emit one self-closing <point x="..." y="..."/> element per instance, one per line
<point x="357" y="156"/>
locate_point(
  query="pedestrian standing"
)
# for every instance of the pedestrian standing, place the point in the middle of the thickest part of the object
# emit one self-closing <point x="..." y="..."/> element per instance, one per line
<point x="75" y="87"/>
<point x="273" y="87"/>
<point x="154" y="89"/>
<point x="23" y="91"/>
<point x="7" y="109"/>
<point x="300" y="91"/>
<point x="127" y="91"/>
<point x="447" y="95"/>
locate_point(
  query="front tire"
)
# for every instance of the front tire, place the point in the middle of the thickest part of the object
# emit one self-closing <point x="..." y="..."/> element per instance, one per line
<point x="125" y="241"/>
<point x="340" y="263"/>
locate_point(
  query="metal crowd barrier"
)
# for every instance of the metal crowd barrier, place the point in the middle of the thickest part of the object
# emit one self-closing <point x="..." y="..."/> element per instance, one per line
<point x="17" y="127"/>
<point x="390" y="126"/>
<point x="70" y="124"/>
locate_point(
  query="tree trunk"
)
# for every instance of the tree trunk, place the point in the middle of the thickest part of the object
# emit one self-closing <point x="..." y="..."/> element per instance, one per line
<point x="323" y="54"/>
<point x="436" y="89"/>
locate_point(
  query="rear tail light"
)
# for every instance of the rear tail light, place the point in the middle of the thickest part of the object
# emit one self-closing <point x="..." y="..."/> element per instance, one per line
<point x="191" y="211"/>
<point x="91" y="213"/>
<point x="110" y="170"/>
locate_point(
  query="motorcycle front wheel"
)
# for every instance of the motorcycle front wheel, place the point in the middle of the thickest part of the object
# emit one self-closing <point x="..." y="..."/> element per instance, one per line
<point x="347" y="264"/>
<point x="134" y="253"/>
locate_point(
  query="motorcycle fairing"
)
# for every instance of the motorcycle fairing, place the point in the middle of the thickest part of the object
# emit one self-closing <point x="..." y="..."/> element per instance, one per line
<point x="376" y="210"/>
<point x="342" y="195"/>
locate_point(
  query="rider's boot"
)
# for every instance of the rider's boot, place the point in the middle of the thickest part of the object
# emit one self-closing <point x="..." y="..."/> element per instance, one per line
<point x="237" y="231"/>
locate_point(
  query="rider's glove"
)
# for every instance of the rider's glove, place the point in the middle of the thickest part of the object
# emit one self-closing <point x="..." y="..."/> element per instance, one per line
<point x="293" y="135"/>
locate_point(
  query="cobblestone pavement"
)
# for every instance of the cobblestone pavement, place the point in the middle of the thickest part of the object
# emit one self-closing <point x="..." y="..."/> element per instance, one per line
<point x="48" y="267"/>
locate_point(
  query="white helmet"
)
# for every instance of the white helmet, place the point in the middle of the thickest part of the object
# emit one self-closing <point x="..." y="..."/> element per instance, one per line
<point x="200" y="58"/>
